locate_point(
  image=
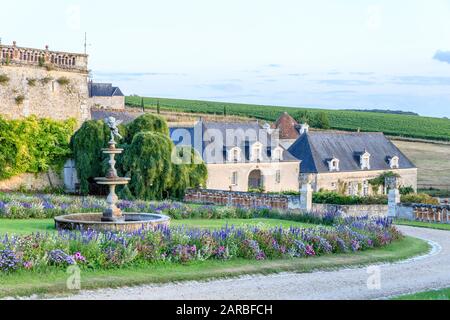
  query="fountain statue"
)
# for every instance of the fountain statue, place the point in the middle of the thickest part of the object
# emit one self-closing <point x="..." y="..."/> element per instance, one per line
<point x="112" y="217"/>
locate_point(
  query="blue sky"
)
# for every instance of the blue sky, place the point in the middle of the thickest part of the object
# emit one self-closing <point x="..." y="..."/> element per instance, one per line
<point x="322" y="53"/>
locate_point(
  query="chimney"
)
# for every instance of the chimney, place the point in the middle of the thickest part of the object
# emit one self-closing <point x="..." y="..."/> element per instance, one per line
<point x="304" y="128"/>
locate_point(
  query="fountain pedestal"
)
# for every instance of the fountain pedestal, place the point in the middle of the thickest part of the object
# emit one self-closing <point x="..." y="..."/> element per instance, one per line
<point x="112" y="213"/>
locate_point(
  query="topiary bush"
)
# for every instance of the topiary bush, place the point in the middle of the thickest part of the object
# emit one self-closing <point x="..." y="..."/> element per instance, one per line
<point x="33" y="145"/>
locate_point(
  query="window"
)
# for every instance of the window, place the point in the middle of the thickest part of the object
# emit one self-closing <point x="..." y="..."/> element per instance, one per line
<point x="365" y="188"/>
<point x="277" y="154"/>
<point x="234" y="155"/>
<point x="333" y="165"/>
<point x="393" y="162"/>
<point x="278" y="176"/>
<point x="352" y="189"/>
<point x="256" y="151"/>
<point x="234" y="178"/>
<point x="365" y="161"/>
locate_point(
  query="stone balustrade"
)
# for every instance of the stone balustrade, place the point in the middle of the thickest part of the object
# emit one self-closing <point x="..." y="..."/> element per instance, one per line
<point x="238" y="199"/>
<point x="432" y="213"/>
<point x="15" y="55"/>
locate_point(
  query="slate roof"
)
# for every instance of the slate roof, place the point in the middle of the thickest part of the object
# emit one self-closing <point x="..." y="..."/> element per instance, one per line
<point x="103" y="90"/>
<point x="315" y="149"/>
<point x="125" y="116"/>
<point x="211" y="128"/>
<point x="287" y="126"/>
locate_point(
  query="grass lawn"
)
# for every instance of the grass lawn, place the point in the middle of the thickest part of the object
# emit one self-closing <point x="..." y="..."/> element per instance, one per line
<point x="443" y="294"/>
<point x="432" y="225"/>
<point x="54" y="282"/>
<point x="28" y="226"/>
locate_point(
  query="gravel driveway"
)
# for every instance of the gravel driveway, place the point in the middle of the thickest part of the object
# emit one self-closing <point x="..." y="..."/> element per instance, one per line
<point x="431" y="271"/>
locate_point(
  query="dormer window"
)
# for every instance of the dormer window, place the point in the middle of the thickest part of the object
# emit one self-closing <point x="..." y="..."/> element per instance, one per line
<point x="234" y="155"/>
<point x="333" y="165"/>
<point x="365" y="161"/>
<point x="393" y="162"/>
<point x="256" y="154"/>
<point x="277" y="154"/>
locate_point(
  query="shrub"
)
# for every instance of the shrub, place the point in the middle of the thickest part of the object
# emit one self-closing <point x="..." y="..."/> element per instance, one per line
<point x="46" y="80"/>
<point x="339" y="199"/>
<point x="63" y="81"/>
<point x="19" y="99"/>
<point x="33" y="145"/>
<point x="421" y="198"/>
<point x="31" y="82"/>
<point x="4" y="79"/>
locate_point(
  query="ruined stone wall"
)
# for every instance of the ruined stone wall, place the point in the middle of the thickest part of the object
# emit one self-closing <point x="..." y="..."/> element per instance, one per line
<point x="31" y="181"/>
<point x="34" y="90"/>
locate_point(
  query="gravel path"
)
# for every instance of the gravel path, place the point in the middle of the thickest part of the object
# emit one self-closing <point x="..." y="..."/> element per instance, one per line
<point x="431" y="271"/>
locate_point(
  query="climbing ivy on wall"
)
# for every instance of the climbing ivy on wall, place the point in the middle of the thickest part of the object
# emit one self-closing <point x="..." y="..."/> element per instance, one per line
<point x="33" y="145"/>
<point x="147" y="159"/>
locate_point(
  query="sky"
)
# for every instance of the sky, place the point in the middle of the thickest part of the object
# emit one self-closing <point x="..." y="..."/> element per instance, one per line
<point x="348" y="54"/>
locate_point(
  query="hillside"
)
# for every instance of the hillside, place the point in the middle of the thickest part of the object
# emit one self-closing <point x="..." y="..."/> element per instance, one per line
<point x="392" y="124"/>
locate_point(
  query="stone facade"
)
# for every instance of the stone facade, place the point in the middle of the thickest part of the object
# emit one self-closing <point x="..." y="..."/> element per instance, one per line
<point x="357" y="182"/>
<point x="112" y="103"/>
<point x="220" y="176"/>
<point x="44" y="83"/>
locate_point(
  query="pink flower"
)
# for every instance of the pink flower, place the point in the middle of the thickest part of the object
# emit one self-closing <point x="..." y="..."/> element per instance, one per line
<point x="28" y="265"/>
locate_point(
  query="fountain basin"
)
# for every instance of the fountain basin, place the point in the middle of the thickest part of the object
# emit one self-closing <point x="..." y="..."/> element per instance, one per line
<point x="93" y="221"/>
<point x="112" y="181"/>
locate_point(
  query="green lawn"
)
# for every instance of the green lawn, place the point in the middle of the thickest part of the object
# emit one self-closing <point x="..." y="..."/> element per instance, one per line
<point x="432" y="225"/>
<point x="53" y="282"/>
<point x="443" y="294"/>
<point x="47" y="225"/>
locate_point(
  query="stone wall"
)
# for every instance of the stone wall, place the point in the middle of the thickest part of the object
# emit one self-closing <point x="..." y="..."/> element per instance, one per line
<point x="117" y="103"/>
<point x="42" y="93"/>
<point x="30" y="181"/>
<point x="353" y="210"/>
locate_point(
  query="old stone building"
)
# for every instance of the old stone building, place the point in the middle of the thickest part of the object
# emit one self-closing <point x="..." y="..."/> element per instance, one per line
<point x="44" y="83"/>
<point x="346" y="162"/>
<point x="240" y="156"/>
<point x="105" y="96"/>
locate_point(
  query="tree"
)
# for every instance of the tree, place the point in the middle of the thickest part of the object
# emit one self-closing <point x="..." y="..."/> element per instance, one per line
<point x="147" y="161"/>
<point x="146" y="122"/>
<point x="87" y="144"/>
<point x="323" y="122"/>
<point x="158" y="110"/>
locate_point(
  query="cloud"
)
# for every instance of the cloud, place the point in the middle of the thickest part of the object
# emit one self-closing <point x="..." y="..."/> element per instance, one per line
<point x="442" y="56"/>
<point x="421" y="80"/>
<point x="345" y="82"/>
<point x="274" y="65"/>
<point x="333" y="72"/>
<point x="297" y="74"/>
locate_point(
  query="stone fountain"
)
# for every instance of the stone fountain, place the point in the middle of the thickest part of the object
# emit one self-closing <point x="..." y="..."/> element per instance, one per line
<point x="112" y="218"/>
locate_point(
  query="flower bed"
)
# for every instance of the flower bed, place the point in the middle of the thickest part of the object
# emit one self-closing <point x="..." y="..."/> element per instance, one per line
<point x="21" y="206"/>
<point x="42" y="252"/>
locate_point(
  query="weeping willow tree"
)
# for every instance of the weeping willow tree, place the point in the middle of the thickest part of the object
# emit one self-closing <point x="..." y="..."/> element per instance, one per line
<point x="146" y="122"/>
<point x="87" y="144"/>
<point x="147" y="159"/>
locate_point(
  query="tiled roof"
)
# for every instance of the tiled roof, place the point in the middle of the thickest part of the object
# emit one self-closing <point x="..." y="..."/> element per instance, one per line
<point x="315" y="149"/>
<point x="222" y="127"/>
<point x="103" y="90"/>
<point x="287" y="127"/>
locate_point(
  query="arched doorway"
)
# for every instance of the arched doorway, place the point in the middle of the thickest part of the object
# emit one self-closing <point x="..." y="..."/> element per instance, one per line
<point x="255" y="179"/>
